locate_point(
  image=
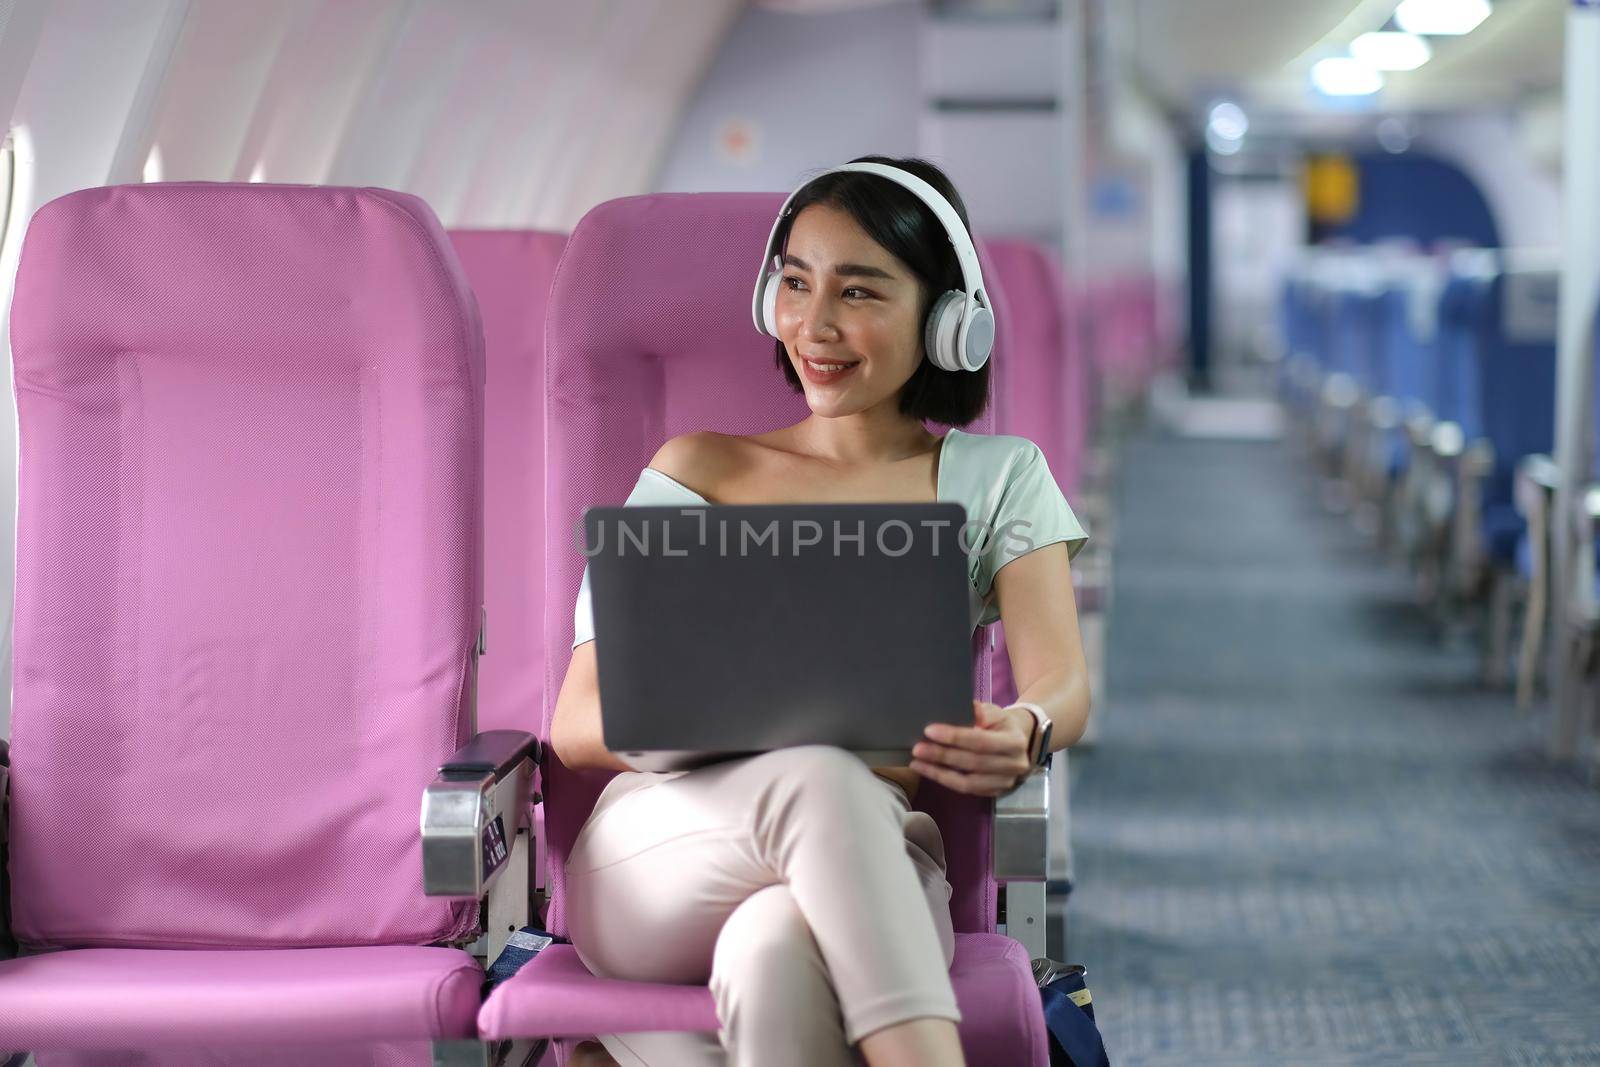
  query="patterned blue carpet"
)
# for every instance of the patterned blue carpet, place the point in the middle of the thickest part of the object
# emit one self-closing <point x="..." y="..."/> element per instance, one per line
<point x="1307" y="836"/>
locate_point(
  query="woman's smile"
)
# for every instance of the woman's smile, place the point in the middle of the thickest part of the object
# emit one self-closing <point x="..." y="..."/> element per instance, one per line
<point x="827" y="371"/>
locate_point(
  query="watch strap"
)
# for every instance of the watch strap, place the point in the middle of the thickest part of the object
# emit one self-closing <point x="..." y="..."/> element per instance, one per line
<point x="1041" y="725"/>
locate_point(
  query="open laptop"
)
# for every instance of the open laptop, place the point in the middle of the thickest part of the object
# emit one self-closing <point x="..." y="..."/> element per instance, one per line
<point x="734" y="629"/>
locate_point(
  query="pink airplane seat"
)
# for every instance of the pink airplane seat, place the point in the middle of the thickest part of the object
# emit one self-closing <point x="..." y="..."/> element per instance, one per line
<point x="1125" y="313"/>
<point x="248" y="592"/>
<point x="1042" y="384"/>
<point x="649" y="336"/>
<point x="510" y="272"/>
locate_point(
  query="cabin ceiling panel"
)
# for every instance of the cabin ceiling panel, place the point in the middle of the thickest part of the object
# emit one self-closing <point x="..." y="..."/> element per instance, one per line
<point x="1517" y="53"/>
<point x="1261" y="51"/>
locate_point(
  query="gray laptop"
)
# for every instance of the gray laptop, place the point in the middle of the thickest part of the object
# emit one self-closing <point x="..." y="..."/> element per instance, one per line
<point x="729" y="630"/>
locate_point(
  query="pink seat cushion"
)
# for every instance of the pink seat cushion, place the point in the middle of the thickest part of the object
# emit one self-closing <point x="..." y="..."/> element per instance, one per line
<point x="556" y="995"/>
<point x="144" y="998"/>
<point x="248" y="567"/>
<point x="510" y="272"/>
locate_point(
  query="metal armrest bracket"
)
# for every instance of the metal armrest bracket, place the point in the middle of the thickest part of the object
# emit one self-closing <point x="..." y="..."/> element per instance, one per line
<point x="1535" y="484"/>
<point x="1021" y="832"/>
<point x="473" y="811"/>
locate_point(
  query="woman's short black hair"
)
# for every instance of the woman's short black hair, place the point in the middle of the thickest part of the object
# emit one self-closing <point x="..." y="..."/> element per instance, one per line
<point x="895" y="218"/>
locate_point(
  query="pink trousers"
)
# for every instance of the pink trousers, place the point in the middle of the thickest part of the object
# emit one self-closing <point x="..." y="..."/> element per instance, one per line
<point x="799" y="884"/>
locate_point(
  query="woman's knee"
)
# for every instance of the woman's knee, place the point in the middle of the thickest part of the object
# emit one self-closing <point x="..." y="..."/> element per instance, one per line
<point x="766" y="939"/>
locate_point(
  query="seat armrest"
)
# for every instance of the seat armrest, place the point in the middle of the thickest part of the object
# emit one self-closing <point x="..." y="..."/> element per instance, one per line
<point x="1582" y="609"/>
<point x="1478" y="459"/>
<point x="473" y="811"/>
<point x="1589" y="506"/>
<point x="494" y="752"/>
<point x="1419" y="429"/>
<point x="1091" y="582"/>
<point x="1340" y="391"/>
<point x="1021" y="832"/>
<point x="1385" y="413"/>
<point x="1585" y="513"/>
<point x="1446" y="440"/>
<point x="1535" y="484"/>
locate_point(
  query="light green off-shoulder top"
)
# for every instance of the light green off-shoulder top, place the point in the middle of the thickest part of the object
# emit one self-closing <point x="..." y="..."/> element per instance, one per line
<point x="1003" y="482"/>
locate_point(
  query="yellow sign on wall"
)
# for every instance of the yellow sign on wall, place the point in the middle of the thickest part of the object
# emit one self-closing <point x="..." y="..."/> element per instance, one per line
<point x="1333" y="188"/>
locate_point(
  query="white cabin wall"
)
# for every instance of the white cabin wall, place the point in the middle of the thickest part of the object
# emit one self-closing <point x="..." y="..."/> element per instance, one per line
<point x="493" y="74"/>
<point x="986" y="99"/>
<point x="813" y="89"/>
<point x="315" y="83"/>
<point x="218" y="75"/>
<point x="22" y="25"/>
<point x="404" y="99"/>
<point x="500" y="180"/>
<point x="994" y="115"/>
<point x="516" y="114"/>
<point x="76" y="121"/>
<point x="1525" y="197"/>
<point x="667" y="64"/>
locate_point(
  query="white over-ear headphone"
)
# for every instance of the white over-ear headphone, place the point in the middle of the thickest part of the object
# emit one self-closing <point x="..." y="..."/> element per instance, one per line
<point x="959" y="333"/>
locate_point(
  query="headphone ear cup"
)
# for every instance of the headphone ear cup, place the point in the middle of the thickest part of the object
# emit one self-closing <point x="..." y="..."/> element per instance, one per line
<point x="977" y="338"/>
<point x="943" y="329"/>
<point x="769" y="302"/>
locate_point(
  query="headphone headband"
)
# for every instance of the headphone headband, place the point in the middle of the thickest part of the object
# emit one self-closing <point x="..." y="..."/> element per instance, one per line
<point x="955" y="230"/>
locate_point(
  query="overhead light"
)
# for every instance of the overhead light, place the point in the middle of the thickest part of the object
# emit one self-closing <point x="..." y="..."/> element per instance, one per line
<point x="1441" y="18"/>
<point x="1343" y="76"/>
<point x="1229" y="122"/>
<point x="1394" y="135"/>
<point x="1223" y="146"/>
<point x="1391" y="51"/>
<point x="1226" y="126"/>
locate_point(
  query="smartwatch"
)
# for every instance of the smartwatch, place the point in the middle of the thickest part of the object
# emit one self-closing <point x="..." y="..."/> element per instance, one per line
<point x="1042" y="726"/>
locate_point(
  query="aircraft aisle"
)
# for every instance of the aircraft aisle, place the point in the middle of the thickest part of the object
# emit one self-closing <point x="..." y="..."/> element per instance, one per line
<point x="1308" y="835"/>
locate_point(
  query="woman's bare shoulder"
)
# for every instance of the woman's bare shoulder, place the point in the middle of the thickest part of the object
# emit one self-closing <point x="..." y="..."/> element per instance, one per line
<point x="702" y="458"/>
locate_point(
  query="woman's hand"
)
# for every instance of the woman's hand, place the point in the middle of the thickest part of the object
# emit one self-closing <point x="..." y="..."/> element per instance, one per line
<point x="984" y="760"/>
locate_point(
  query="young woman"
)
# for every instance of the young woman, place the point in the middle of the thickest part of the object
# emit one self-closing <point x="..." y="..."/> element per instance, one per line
<point x="800" y="883"/>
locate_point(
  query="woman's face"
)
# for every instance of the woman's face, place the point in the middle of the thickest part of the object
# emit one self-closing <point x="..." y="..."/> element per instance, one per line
<point x="848" y="312"/>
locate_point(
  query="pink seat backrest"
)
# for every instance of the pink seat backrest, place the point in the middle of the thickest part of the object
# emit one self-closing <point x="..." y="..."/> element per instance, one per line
<point x="1041" y="383"/>
<point x="510" y="272"/>
<point x="649" y="337"/>
<point x="1039" y="380"/>
<point x="1126" y="329"/>
<point x="248" y="565"/>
